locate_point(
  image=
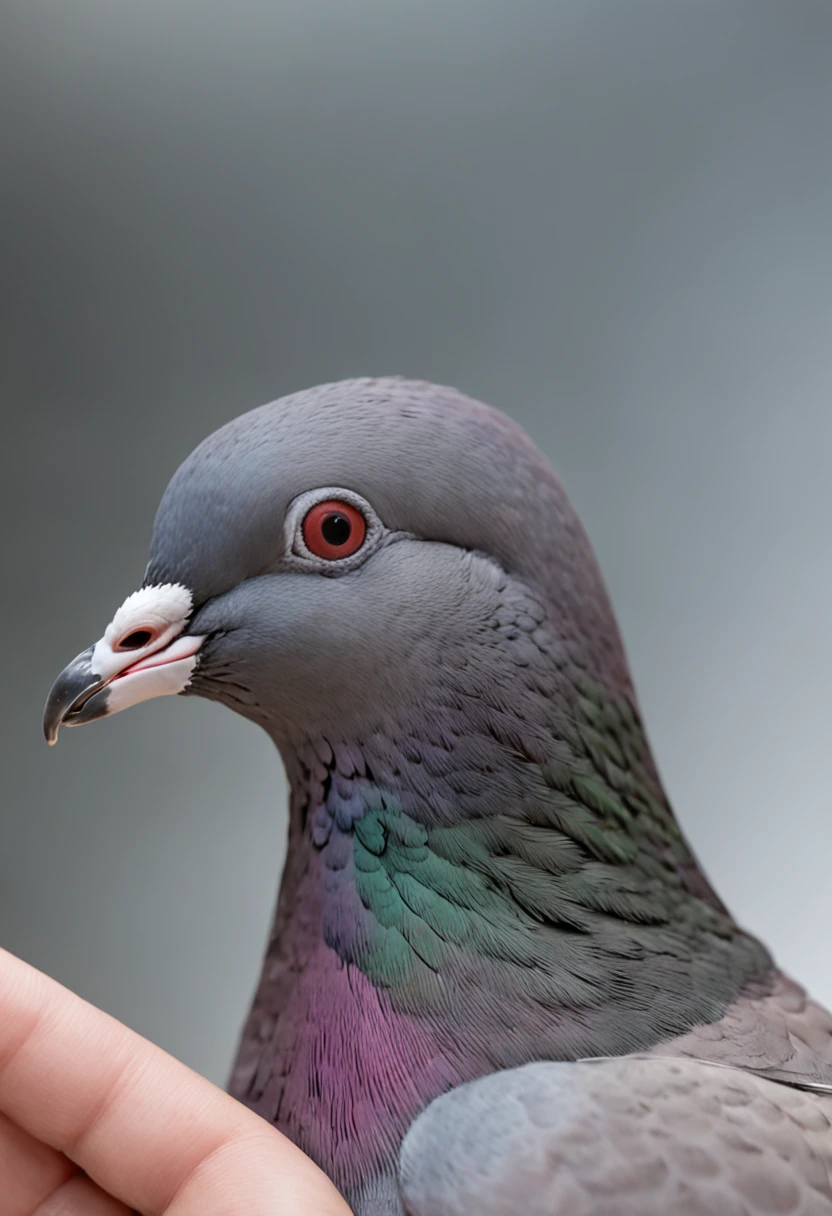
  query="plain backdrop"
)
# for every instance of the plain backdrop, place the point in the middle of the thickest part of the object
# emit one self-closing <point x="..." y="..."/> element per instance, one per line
<point x="611" y="218"/>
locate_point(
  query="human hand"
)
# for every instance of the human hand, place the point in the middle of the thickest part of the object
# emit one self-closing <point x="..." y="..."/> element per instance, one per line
<point x="81" y="1092"/>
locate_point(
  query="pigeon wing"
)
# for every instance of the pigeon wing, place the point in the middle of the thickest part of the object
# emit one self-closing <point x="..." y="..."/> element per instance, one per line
<point x="631" y="1136"/>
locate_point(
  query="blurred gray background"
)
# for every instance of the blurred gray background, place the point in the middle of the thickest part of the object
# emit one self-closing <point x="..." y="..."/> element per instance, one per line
<point x="611" y="218"/>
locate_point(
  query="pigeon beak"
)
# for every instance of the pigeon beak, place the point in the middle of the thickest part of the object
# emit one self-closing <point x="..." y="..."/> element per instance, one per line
<point x="74" y="688"/>
<point x="143" y="654"/>
<point x="81" y="695"/>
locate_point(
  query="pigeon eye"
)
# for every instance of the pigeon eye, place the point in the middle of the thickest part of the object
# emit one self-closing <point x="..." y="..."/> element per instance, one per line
<point x="334" y="529"/>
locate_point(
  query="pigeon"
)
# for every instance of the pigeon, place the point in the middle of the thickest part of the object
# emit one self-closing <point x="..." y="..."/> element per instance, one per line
<point x="498" y="980"/>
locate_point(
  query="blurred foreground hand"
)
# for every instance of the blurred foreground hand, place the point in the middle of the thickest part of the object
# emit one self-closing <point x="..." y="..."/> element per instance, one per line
<point x="96" y="1121"/>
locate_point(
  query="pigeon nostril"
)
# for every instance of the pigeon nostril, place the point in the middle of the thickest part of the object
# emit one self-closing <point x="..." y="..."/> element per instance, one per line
<point x="136" y="639"/>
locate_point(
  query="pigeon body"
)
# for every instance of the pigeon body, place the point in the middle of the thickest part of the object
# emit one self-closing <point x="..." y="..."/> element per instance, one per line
<point x="483" y="870"/>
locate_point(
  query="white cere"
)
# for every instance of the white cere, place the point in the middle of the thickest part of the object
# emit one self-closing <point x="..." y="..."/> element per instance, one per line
<point x="160" y="611"/>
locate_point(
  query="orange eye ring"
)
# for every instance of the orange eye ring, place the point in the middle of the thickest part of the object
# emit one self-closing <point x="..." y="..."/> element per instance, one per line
<point x="334" y="529"/>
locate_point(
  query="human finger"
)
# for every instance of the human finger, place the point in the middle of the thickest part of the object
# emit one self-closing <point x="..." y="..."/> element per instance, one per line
<point x="37" y="1180"/>
<point x="146" y="1128"/>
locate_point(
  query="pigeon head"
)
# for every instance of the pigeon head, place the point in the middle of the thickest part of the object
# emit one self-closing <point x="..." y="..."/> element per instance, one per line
<point x="321" y="563"/>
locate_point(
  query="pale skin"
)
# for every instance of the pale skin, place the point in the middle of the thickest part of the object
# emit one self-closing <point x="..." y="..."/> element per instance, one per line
<point x="97" y="1121"/>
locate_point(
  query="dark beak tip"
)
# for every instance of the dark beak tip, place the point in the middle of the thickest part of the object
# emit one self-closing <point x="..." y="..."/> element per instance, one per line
<point x="75" y="682"/>
<point x="53" y="718"/>
<point x="52" y="723"/>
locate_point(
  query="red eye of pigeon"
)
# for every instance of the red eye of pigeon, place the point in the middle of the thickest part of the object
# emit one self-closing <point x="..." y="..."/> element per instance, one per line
<point x="334" y="529"/>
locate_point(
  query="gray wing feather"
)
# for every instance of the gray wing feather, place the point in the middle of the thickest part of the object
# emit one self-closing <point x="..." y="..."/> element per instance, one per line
<point x="633" y="1136"/>
<point x="781" y="1034"/>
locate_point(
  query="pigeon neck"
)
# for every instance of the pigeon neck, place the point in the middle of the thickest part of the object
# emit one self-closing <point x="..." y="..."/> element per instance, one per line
<point x="324" y="1056"/>
<point x="437" y="922"/>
